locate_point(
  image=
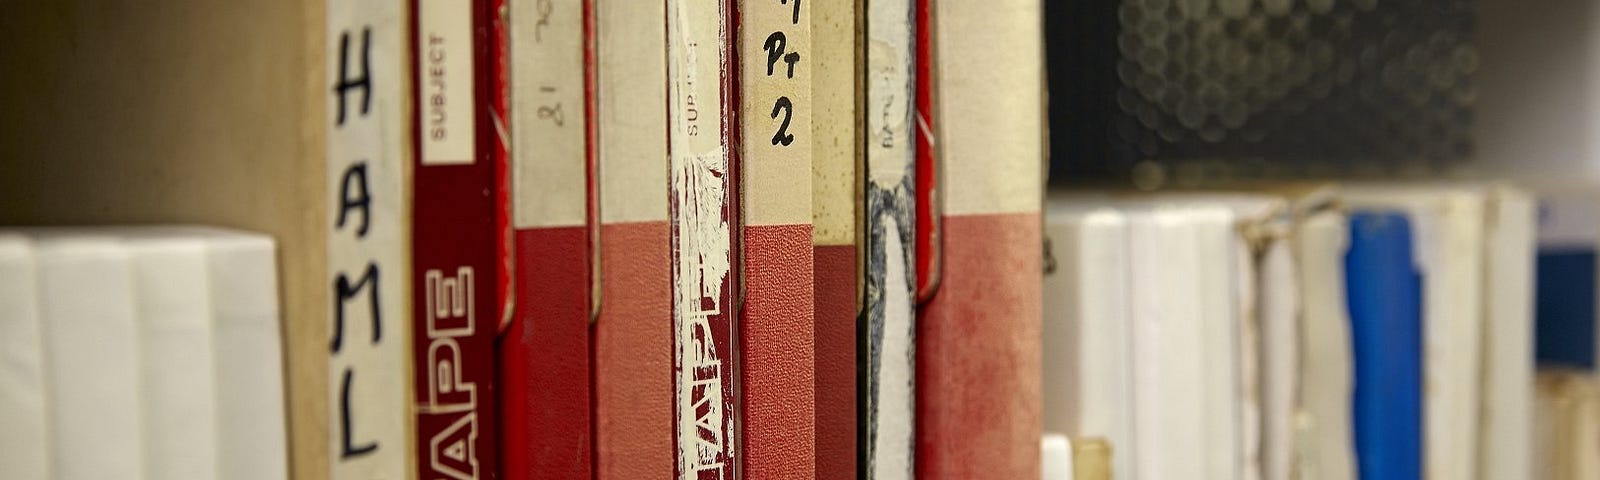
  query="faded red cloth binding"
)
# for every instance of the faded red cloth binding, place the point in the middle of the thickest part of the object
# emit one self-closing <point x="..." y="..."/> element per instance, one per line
<point x="546" y="355"/>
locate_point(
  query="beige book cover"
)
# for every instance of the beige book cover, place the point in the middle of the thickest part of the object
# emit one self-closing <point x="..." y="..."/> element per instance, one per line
<point x="1508" y="343"/>
<point x="1568" y="406"/>
<point x="1323" y="416"/>
<point x="1092" y="459"/>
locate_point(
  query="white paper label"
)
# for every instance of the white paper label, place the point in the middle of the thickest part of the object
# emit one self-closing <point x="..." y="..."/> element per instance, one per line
<point x="446" y="118"/>
<point x="368" y="381"/>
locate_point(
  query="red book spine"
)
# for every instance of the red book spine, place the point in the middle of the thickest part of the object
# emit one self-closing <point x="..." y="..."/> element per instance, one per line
<point x="499" y="141"/>
<point x="545" y="355"/>
<point x="837" y="148"/>
<point x="776" y="347"/>
<point x="455" y="280"/>
<point x="978" y="383"/>
<point x="837" y="301"/>
<point x="929" y="221"/>
<point x="704" y="214"/>
<point x="633" y="353"/>
<point x="633" y="334"/>
<point x="978" y="346"/>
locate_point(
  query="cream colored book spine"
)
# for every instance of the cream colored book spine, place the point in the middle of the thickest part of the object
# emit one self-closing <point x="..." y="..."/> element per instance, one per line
<point x="1508" y="358"/>
<point x="1055" y="457"/>
<point x="92" y="359"/>
<point x="1326" y="383"/>
<point x="1087" y="364"/>
<point x="1225" y="282"/>
<point x="25" y="442"/>
<point x="178" y="376"/>
<point x="368" y="114"/>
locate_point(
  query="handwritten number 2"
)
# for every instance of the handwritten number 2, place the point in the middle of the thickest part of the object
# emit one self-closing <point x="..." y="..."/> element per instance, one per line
<point x="783" y="137"/>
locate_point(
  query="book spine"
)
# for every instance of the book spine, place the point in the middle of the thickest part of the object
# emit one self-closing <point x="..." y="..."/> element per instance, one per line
<point x="545" y="354"/>
<point x="1086" y="339"/>
<point x="633" y="333"/>
<point x="930" y="206"/>
<point x="1279" y="305"/>
<point x="1506" y="445"/>
<point x="1568" y="237"/>
<point x="1055" y="457"/>
<point x="368" y="411"/>
<point x="1228" y="339"/>
<point x="1385" y="298"/>
<point x="978" y="346"/>
<point x="251" y="441"/>
<point x="177" y="358"/>
<point x="888" y="332"/>
<point x="92" y="360"/>
<point x="1453" y="331"/>
<point x="1320" y="243"/>
<point x="777" y="349"/>
<point x="453" y="278"/>
<point x="1092" y="459"/>
<point x="838" y="143"/>
<point x="22" y="409"/>
<point x="704" y="214"/>
<point x="498" y="73"/>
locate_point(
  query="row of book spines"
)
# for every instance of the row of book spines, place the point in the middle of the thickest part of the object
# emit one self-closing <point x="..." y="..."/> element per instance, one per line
<point x="421" y="284"/>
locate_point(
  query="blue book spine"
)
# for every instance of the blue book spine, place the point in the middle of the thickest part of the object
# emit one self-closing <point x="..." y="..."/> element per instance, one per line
<point x="1385" y="297"/>
<point x="1565" y="307"/>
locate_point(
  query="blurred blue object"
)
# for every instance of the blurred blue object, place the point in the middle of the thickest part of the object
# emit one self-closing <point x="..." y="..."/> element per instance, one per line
<point x="1385" y="295"/>
<point x="1564" y="315"/>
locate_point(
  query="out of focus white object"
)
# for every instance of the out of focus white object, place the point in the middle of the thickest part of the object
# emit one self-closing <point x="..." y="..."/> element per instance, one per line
<point x="1087" y="365"/>
<point x="1508" y="356"/>
<point x="24" y="437"/>
<point x="1326" y="382"/>
<point x="1055" y="462"/>
<point x="1169" y="343"/>
<point x="1568" y="415"/>
<point x="178" y="379"/>
<point x="1449" y="225"/>
<point x="163" y="351"/>
<point x="91" y="345"/>
<point x="252" y="429"/>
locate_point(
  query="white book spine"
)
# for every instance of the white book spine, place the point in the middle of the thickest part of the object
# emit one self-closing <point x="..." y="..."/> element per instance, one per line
<point x="1326" y="382"/>
<point x="174" y="319"/>
<point x="1507" y="436"/>
<point x="24" y="440"/>
<point x="1087" y="364"/>
<point x="1220" y="279"/>
<point x="1055" y="457"/>
<point x="1452" y="326"/>
<point x="92" y="358"/>
<point x="1278" y="318"/>
<point x="251" y="425"/>
<point x="1168" y="347"/>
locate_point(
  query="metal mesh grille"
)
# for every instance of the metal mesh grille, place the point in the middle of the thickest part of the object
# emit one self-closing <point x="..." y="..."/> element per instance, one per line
<point x="1245" y="88"/>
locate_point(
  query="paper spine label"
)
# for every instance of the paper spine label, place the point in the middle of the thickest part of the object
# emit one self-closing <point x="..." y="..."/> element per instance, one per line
<point x="889" y="332"/>
<point x="368" y="155"/>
